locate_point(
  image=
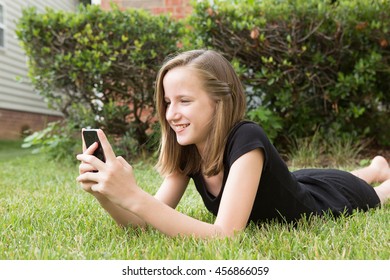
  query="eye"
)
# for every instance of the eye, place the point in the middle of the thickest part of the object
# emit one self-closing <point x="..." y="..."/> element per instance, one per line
<point x="185" y="101"/>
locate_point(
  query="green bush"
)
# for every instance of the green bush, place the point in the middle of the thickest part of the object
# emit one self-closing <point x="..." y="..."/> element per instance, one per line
<point x="98" y="68"/>
<point x="57" y="141"/>
<point x="317" y="66"/>
<point x="309" y="67"/>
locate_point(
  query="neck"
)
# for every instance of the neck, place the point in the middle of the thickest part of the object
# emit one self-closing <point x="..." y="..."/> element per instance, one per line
<point x="201" y="149"/>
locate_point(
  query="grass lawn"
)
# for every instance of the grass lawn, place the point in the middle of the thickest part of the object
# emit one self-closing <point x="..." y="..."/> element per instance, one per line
<point x="45" y="215"/>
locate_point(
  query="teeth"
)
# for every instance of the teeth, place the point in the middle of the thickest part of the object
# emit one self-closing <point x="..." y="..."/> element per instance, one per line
<point x="182" y="126"/>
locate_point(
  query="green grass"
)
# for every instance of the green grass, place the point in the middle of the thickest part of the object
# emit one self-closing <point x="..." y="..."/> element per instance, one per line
<point x="10" y="149"/>
<point x="45" y="215"/>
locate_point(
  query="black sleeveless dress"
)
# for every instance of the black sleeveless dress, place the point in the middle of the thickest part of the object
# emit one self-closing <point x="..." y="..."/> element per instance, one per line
<point x="287" y="196"/>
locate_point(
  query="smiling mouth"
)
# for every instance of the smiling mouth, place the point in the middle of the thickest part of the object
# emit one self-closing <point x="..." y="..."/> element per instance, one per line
<point x="180" y="127"/>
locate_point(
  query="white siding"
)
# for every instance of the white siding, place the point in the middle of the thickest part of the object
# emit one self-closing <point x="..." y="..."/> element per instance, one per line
<point x="16" y="91"/>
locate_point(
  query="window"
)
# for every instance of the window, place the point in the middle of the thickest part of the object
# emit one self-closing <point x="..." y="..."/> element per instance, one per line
<point x="2" y="26"/>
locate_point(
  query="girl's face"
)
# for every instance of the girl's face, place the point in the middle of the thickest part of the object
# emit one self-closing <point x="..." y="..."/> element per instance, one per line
<point x="190" y="110"/>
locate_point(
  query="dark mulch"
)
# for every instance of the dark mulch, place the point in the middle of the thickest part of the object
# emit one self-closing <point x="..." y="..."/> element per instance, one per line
<point x="371" y="152"/>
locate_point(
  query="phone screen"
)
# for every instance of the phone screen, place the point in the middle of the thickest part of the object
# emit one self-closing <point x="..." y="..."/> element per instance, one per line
<point x="90" y="137"/>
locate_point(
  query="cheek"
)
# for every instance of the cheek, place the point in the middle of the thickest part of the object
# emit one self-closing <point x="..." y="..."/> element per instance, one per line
<point x="212" y="109"/>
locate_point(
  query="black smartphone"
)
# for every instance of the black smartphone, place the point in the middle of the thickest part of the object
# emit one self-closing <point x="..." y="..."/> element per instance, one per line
<point x="90" y="137"/>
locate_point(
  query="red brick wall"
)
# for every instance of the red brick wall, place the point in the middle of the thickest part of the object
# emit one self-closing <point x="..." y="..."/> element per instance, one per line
<point x="12" y="123"/>
<point x="178" y="8"/>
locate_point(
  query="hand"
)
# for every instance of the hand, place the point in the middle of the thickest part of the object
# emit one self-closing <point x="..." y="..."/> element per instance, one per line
<point x="114" y="179"/>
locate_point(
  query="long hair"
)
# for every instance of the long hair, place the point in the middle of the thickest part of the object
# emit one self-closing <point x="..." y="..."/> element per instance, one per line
<point x="222" y="84"/>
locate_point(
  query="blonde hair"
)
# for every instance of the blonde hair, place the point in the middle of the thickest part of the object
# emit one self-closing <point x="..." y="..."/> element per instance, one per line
<point x="222" y="84"/>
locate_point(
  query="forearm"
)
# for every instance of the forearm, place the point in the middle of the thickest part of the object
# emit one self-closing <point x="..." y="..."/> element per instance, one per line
<point x="121" y="216"/>
<point x="169" y="221"/>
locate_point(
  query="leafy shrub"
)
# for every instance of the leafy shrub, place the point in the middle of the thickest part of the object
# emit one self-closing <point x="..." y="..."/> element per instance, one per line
<point x="317" y="66"/>
<point x="271" y="123"/>
<point x="98" y="68"/>
<point x="310" y="67"/>
<point x="57" y="141"/>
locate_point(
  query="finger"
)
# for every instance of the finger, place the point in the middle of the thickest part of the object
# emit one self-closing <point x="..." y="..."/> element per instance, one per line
<point x="96" y="163"/>
<point x="96" y="188"/>
<point x="85" y="158"/>
<point x="108" y="152"/>
<point x="91" y="149"/>
<point x="88" y="177"/>
<point x="86" y="186"/>
<point x="84" y="167"/>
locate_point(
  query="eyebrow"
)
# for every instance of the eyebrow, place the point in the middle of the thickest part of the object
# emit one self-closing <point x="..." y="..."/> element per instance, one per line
<point x="179" y="96"/>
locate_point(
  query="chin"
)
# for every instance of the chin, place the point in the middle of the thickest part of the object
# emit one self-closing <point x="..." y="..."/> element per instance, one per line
<point x="183" y="142"/>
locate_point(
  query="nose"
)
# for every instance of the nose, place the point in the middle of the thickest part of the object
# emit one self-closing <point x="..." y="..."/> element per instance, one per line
<point x="171" y="113"/>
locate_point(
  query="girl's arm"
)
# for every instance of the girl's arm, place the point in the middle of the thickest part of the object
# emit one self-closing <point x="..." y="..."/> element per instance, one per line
<point x="115" y="180"/>
<point x="235" y="208"/>
<point x="169" y="193"/>
<point x="166" y="194"/>
<point x="121" y="216"/>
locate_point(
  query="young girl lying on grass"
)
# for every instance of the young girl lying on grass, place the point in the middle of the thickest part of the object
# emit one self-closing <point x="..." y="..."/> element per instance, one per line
<point x="237" y="171"/>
